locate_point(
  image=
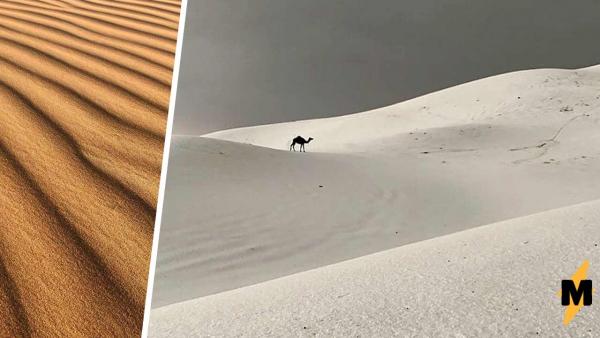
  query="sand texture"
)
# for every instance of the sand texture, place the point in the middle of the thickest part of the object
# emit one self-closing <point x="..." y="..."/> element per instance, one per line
<point x="241" y="209"/>
<point x="499" y="280"/>
<point x="84" y="94"/>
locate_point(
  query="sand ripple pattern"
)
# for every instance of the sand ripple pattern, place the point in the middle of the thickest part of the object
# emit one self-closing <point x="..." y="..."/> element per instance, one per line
<point x="84" y="94"/>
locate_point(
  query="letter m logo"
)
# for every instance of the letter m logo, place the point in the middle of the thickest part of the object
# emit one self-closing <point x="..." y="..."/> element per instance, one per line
<point x="571" y="294"/>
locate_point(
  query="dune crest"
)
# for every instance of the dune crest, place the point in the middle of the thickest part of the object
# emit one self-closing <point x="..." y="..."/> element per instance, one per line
<point x="84" y="94"/>
<point x="530" y="98"/>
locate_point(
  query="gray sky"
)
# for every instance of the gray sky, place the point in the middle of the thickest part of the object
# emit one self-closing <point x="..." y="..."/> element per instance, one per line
<point x="263" y="61"/>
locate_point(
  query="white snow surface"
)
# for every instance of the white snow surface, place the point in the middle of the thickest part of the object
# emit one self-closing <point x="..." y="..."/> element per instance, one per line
<point x="241" y="209"/>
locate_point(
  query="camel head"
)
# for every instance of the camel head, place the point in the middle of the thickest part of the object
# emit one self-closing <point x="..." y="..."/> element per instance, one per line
<point x="309" y="139"/>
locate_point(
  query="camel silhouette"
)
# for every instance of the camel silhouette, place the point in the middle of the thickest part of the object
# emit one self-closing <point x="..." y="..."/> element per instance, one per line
<point x="301" y="141"/>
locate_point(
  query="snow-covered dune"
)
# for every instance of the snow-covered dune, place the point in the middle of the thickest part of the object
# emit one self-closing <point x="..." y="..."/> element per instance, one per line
<point x="241" y="209"/>
<point x="532" y="104"/>
<point x="496" y="280"/>
<point x="502" y="147"/>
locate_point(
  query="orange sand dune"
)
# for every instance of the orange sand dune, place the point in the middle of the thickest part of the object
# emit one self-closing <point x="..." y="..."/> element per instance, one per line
<point x="84" y="94"/>
<point x="131" y="33"/>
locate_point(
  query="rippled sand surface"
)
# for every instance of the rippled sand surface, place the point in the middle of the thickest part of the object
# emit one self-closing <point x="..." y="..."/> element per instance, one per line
<point x="84" y="94"/>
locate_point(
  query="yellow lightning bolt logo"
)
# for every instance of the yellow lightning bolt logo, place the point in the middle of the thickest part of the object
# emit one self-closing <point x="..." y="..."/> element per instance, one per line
<point x="572" y="309"/>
